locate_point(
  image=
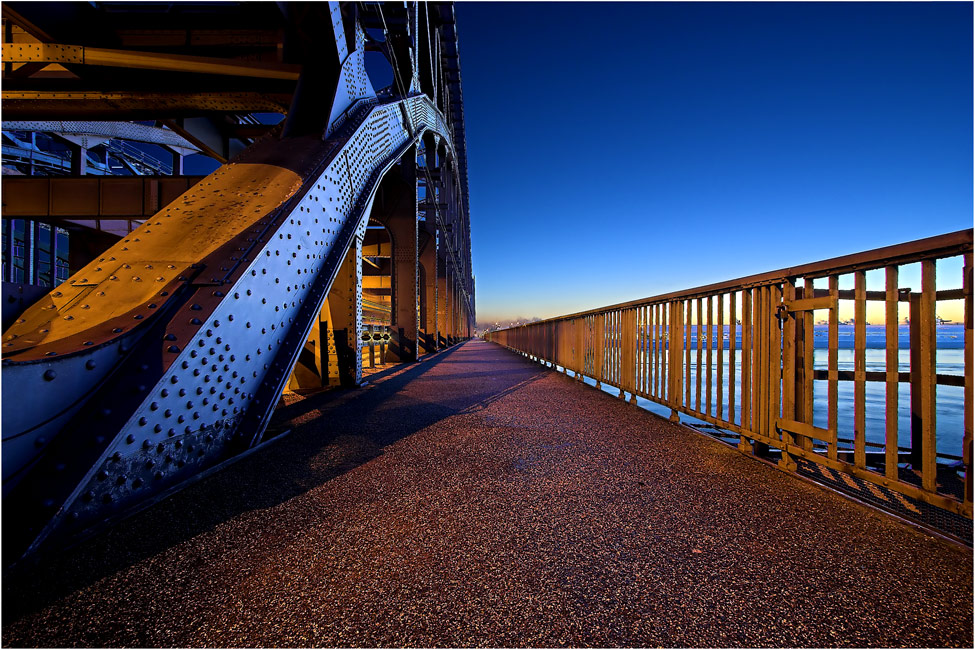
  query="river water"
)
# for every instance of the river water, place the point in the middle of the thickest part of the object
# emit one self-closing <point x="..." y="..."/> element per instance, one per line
<point x="950" y="360"/>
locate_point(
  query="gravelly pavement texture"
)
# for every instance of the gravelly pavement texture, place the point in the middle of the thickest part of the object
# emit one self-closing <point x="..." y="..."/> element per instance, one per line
<point x="477" y="499"/>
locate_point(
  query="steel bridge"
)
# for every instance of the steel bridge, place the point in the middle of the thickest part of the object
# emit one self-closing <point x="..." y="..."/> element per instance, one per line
<point x="212" y="212"/>
<point x="153" y="319"/>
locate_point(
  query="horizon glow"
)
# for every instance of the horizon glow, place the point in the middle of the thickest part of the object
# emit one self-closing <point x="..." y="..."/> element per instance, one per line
<point x="619" y="151"/>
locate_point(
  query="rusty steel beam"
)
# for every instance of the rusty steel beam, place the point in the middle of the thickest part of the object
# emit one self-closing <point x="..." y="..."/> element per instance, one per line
<point x="52" y="198"/>
<point x="80" y="55"/>
<point x="131" y="105"/>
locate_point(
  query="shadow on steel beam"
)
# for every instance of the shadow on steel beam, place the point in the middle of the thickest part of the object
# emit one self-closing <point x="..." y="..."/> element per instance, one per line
<point x="333" y="432"/>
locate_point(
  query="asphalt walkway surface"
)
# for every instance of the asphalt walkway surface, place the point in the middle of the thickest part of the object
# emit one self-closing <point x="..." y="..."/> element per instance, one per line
<point x="479" y="499"/>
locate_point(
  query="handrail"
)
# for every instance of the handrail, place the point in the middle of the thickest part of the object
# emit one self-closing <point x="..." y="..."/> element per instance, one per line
<point x="671" y="350"/>
<point x="938" y="246"/>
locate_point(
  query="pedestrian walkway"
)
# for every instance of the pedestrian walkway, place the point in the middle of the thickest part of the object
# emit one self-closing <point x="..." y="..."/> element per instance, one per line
<point x="477" y="498"/>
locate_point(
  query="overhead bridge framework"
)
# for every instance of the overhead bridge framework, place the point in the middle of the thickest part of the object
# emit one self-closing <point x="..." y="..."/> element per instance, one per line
<point x="165" y="355"/>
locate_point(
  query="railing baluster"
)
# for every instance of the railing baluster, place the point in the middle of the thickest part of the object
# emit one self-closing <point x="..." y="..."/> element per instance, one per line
<point x="679" y="353"/>
<point x="860" y="369"/>
<point x="732" y="338"/>
<point x="833" y="361"/>
<point x="641" y="347"/>
<point x="629" y="353"/>
<point x="600" y="349"/>
<point x="687" y="352"/>
<point x="929" y="464"/>
<point x="774" y="356"/>
<point x="789" y="371"/>
<point x="708" y="356"/>
<point x="664" y="350"/>
<point x="700" y="350"/>
<point x="675" y="357"/>
<point x="746" y="365"/>
<point x="808" y="362"/>
<point x="720" y="387"/>
<point x="892" y="366"/>
<point x="652" y="351"/>
<point x="969" y="416"/>
<point x="645" y="350"/>
<point x="757" y="383"/>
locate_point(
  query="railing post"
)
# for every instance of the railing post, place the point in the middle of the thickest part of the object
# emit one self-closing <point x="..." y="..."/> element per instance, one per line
<point x="791" y="385"/>
<point x="746" y="368"/>
<point x="372" y="346"/>
<point x="732" y="343"/>
<point x="807" y="363"/>
<point x="700" y="353"/>
<point x="833" y="369"/>
<point x="761" y="369"/>
<point x="688" y="323"/>
<point x="967" y="440"/>
<point x="719" y="398"/>
<point x="860" y="369"/>
<point x="891" y="344"/>
<point x="580" y="326"/>
<point x="914" y="315"/>
<point x="599" y="345"/>
<point x="929" y="461"/>
<point x="629" y="353"/>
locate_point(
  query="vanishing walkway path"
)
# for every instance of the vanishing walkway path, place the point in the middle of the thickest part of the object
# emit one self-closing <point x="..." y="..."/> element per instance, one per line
<point x="478" y="499"/>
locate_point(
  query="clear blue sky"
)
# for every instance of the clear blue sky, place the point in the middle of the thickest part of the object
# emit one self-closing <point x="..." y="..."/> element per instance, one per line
<point x="618" y="151"/>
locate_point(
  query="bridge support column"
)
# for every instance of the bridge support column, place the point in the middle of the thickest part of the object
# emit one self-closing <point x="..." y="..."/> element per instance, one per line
<point x="428" y="294"/>
<point x="344" y="305"/>
<point x="443" y="306"/>
<point x="317" y="358"/>
<point x="332" y="355"/>
<point x="397" y="211"/>
<point x="457" y="312"/>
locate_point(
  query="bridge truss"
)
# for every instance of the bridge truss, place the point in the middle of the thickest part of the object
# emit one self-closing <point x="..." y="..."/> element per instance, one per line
<point x="163" y="355"/>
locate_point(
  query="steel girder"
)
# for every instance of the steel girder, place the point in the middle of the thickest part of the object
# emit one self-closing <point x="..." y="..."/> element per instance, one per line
<point x="165" y="357"/>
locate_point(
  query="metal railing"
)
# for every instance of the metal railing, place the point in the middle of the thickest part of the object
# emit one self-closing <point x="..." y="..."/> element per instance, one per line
<point x="375" y="342"/>
<point x="741" y="356"/>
